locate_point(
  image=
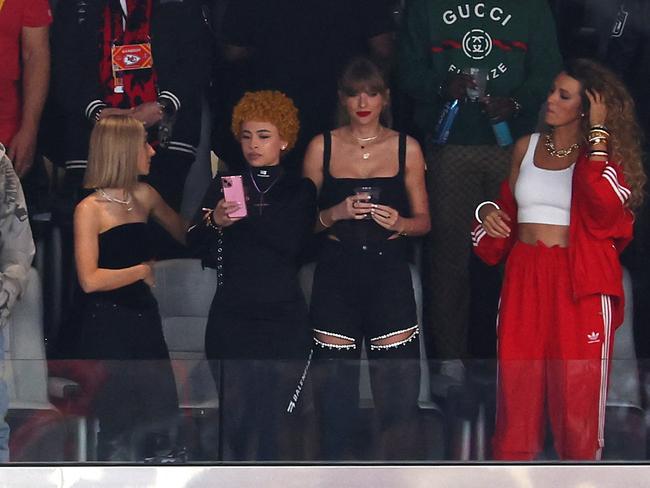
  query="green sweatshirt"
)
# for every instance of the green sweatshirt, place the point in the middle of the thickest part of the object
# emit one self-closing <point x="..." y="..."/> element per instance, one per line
<point x="514" y="40"/>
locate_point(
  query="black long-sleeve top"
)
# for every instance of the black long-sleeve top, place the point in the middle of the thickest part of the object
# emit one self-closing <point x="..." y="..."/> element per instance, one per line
<point x="260" y="252"/>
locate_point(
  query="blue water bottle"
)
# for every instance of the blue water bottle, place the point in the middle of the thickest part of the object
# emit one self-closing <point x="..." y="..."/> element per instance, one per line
<point x="445" y="121"/>
<point x="501" y="132"/>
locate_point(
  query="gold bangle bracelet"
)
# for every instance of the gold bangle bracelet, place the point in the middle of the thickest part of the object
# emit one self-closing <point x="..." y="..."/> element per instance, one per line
<point x="598" y="153"/>
<point x="320" y="219"/>
<point x="597" y="140"/>
<point x="600" y="128"/>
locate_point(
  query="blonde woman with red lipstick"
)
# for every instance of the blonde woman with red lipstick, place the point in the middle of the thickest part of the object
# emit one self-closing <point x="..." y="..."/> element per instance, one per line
<point x="372" y="198"/>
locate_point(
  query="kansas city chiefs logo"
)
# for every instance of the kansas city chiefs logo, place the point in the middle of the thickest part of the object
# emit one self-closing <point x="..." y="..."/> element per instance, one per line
<point x="131" y="59"/>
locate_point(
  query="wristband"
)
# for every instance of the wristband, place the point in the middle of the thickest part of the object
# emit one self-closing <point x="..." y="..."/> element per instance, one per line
<point x="599" y="127"/>
<point x="320" y="219"/>
<point x="598" y="153"/>
<point x="595" y="140"/>
<point x="211" y="223"/>
<point x="480" y="206"/>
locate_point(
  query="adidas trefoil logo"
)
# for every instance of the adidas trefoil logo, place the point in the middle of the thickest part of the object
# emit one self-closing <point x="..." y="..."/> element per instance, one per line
<point x="593" y="337"/>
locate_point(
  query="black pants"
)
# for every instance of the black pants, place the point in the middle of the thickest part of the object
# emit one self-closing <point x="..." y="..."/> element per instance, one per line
<point x="459" y="178"/>
<point x="266" y="414"/>
<point x="365" y="292"/>
<point x="264" y="379"/>
<point x="136" y="400"/>
<point x="137" y="409"/>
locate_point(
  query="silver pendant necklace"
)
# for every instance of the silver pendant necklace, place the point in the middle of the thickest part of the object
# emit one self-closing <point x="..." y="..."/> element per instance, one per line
<point x="127" y="202"/>
<point x="260" y="205"/>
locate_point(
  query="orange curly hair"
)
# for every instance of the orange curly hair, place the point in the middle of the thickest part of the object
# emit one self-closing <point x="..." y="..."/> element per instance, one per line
<point x="624" y="143"/>
<point x="268" y="106"/>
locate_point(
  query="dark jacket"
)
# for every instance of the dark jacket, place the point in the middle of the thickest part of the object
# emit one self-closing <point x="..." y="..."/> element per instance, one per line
<point x="180" y="61"/>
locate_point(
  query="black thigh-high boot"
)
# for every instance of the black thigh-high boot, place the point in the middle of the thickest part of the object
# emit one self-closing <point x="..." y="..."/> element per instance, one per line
<point x="336" y="392"/>
<point x="238" y="427"/>
<point x="284" y="431"/>
<point x="395" y="380"/>
<point x="113" y="406"/>
<point x="158" y="414"/>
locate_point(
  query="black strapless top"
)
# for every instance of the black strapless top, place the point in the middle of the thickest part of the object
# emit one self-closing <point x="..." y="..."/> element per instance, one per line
<point x="335" y="190"/>
<point x="120" y="247"/>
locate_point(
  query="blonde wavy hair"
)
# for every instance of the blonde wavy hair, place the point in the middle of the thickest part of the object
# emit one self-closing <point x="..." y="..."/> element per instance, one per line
<point x="268" y="106"/>
<point x="625" y="140"/>
<point x="115" y="144"/>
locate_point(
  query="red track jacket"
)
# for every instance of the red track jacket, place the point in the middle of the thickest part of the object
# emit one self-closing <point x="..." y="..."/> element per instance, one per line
<point x="600" y="228"/>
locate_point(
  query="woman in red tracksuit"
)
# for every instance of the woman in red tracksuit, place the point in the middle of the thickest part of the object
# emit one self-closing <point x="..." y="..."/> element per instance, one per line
<point x="563" y="217"/>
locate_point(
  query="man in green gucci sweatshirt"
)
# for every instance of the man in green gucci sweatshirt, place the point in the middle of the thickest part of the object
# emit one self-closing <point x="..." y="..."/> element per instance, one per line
<point x="514" y="44"/>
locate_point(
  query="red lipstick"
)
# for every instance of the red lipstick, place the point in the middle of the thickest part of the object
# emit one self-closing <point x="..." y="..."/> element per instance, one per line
<point x="363" y="113"/>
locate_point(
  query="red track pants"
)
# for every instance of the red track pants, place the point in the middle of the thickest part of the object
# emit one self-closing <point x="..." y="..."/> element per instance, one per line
<point x="553" y="359"/>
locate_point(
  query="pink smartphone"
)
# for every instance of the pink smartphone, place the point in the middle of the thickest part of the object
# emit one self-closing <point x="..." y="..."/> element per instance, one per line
<point x="233" y="191"/>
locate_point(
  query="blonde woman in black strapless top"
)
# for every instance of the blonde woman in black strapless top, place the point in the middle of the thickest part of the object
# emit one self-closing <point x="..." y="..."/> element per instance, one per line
<point x="119" y="315"/>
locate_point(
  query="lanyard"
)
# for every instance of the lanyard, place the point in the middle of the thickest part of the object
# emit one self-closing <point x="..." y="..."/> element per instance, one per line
<point x="123" y="10"/>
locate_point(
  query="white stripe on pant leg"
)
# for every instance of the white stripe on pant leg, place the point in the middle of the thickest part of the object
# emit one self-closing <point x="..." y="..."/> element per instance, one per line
<point x="604" y="368"/>
<point x="496" y="325"/>
<point x="607" y="322"/>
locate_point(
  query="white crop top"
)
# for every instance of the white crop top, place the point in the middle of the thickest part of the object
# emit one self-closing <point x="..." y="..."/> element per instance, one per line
<point x="543" y="195"/>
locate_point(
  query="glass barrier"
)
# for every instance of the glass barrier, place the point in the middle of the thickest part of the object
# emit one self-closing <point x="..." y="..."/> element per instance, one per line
<point x="259" y="411"/>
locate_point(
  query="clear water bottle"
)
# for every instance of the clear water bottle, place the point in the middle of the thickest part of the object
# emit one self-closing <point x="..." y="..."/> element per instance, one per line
<point x="501" y="132"/>
<point x="445" y="121"/>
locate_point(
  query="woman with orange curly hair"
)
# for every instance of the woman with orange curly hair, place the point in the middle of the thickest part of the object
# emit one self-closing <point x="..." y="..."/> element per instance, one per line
<point x="258" y="319"/>
<point x="564" y="216"/>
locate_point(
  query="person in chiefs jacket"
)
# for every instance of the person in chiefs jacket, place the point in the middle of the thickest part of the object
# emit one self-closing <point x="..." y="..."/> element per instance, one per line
<point x="144" y="58"/>
<point x="564" y="215"/>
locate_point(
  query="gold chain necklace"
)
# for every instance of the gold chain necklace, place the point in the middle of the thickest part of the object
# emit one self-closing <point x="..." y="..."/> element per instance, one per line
<point x="558" y="153"/>
<point x="363" y="140"/>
